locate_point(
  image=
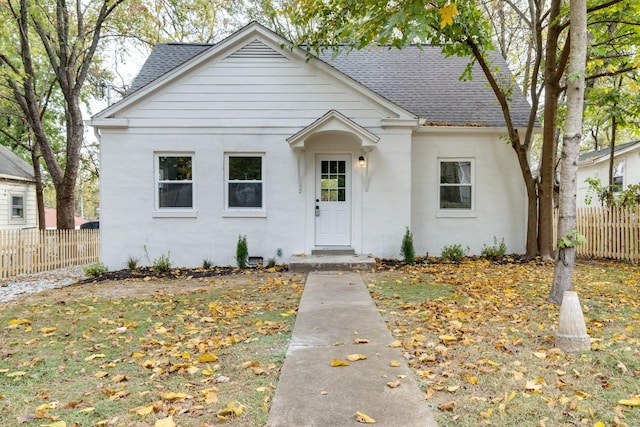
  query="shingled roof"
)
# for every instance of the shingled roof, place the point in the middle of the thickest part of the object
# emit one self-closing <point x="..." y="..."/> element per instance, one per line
<point x="420" y="80"/>
<point x="596" y="155"/>
<point x="13" y="166"/>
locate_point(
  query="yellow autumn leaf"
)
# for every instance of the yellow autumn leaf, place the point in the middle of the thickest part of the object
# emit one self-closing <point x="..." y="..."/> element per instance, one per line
<point x="95" y="356"/>
<point x="46" y="406"/>
<point x="364" y="418"/>
<point x="453" y="388"/>
<point x="394" y="384"/>
<point x="56" y="424"/>
<point x="634" y="401"/>
<point x="233" y="409"/>
<point x="356" y="357"/>
<point x="361" y="341"/>
<point x="48" y="330"/>
<point x="18" y="322"/>
<point x="142" y="410"/>
<point x="599" y="424"/>
<point x="87" y="410"/>
<point x="16" y="374"/>
<point x="173" y="396"/>
<point x="540" y="354"/>
<point x="447" y="338"/>
<point x="395" y="364"/>
<point x="101" y="374"/>
<point x="487" y="413"/>
<point x="446" y="14"/>
<point x="165" y="422"/>
<point x="207" y="358"/>
<point x="396" y="344"/>
<point x="337" y="362"/>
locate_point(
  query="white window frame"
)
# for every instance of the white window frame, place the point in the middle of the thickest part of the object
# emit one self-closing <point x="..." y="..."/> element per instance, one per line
<point x="167" y="212"/>
<point x="244" y="211"/>
<point x="620" y="164"/>
<point x="22" y="218"/>
<point x="450" y="212"/>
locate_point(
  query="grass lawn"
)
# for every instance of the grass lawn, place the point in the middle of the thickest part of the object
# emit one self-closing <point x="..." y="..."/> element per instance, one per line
<point x="479" y="337"/>
<point x="482" y="344"/>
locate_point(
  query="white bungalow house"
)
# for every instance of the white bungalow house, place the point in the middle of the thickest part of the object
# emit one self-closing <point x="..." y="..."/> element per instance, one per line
<point x="247" y="137"/>
<point x="595" y="164"/>
<point x="18" y="208"/>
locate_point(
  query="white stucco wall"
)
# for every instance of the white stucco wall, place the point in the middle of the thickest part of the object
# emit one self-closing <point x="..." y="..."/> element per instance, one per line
<point x="247" y="105"/>
<point x="498" y="191"/>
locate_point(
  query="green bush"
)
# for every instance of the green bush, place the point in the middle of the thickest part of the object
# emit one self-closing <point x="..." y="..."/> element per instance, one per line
<point x="162" y="264"/>
<point x="271" y="262"/>
<point x="495" y="251"/>
<point x="406" y="249"/>
<point x="95" y="270"/>
<point x="242" y="252"/>
<point x="207" y="264"/>
<point x="453" y="252"/>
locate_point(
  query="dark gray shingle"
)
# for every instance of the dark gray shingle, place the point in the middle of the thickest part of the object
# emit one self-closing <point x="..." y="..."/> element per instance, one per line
<point x="422" y="81"/>
<point x="12" y="165"/>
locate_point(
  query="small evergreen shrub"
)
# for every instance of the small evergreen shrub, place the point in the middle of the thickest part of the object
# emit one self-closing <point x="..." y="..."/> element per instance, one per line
<point x="453" y="252"/>
<point x="162" y="264"/>
<point x="207" y="264"/>
<point x="406" y="249"/>
<point x="495" y="251"/>
<point x="242" y="252"/>
<point x="271" y="262"/>
<point x="95" y="270"/>
<point x="132" y="263"/>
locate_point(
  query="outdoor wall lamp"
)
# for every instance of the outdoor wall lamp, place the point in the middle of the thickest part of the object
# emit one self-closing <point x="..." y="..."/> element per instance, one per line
<point x="361" y="161"/>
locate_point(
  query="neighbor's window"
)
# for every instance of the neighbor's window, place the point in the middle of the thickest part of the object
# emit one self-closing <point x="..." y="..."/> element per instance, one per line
<point x="17" y="207"/>
<point x="175" y="181"/>
<point x="456" y="184"/>
<point x="618" y="177"/>
<point x="244" y="182"/>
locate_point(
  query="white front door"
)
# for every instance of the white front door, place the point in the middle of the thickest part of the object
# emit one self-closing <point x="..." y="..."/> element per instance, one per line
<point x="333" y="200"/>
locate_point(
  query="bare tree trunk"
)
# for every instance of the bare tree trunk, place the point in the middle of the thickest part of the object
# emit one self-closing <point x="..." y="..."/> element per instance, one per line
<point x="566" y="255"/>
<point x="612" y="152"/>
<point x="37" y="173"/>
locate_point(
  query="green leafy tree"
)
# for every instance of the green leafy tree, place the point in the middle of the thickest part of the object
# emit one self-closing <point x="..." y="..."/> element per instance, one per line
<point x="63" y="38"/>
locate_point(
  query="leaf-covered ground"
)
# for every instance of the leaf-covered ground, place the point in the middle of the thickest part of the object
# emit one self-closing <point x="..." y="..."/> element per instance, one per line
<point x="207" y="351"/>
<point x="482" y="343"/>
<point x="189" y="352"/>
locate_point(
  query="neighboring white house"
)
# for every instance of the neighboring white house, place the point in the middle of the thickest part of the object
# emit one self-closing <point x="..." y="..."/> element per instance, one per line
<point x="595" y="164"/>
<point x="18" y="208"/>
<point x="246" y="137"/>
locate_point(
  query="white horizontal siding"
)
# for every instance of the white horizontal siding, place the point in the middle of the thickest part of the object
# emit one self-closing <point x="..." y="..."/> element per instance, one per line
<point x="27" y="190"/>
<point x="253" y="87"/>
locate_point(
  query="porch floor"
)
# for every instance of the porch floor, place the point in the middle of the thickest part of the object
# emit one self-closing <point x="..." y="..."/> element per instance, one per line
<point x="308" y="263"/>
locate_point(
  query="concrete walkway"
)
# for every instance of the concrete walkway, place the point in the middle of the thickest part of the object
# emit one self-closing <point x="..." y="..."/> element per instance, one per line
<point x="336" y="309"/>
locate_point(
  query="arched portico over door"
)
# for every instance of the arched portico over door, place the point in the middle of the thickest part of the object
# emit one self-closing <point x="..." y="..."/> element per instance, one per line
<point x="332" y="175"/>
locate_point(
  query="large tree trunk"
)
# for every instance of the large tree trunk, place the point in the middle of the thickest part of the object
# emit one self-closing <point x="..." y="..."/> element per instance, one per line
<point x="553" y="70"/>
<point x="565" y="259"/>
<point x="37" y="173"/>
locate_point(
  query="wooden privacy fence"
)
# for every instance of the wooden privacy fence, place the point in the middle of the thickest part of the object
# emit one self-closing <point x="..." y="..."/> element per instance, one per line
<point x="611" y="232"/>
<point x="31" y="251"/>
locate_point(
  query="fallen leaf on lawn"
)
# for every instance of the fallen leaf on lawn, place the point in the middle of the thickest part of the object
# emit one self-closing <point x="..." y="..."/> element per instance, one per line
<point x="634" y="401"/>
<point x="540" y="354"/>
<point x="337" y="362"/>
<point x="46" y="406"/>
<point x="16" y="374"/>
<point x="447" y="338"/>
<point x="233" y="409"/>
<point x="56" y="424"/>
<point x="142" y="410"/>
<point x="48" y="331"/>
<point x="517" y="375"/>
<point x="18" y="322"/>
<point x="364" y="418"/>
<point x="165" y="422"/>
<point x="119" y="379"/>
<point x="95" y="356"/>
<point x="599" y="424"/>
<point x="453" y="388"/>
<point x="487" y="413"/>
<point x="393" y="384"/>
<point x="101" y="374"/>
<point x="356" y="357"/>
<point x="207" y="358"/>
<point x="173" y="396"/>
<point x="87" y="410"/>
<point x="395" y="364"/>
<point x="447" y="406"/>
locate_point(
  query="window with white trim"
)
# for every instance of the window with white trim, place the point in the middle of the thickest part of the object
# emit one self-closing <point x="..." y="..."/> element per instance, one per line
<point x="244" y="181"/>
<point x="17" y="207"/>
<point x="456" y="184"/>
<point x="174" y="181"/>
<point x="618" y="177"/>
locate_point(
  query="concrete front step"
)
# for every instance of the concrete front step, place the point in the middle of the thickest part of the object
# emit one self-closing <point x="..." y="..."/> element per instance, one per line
<point x="333" y="251"/>
<point x="306" y="264"/>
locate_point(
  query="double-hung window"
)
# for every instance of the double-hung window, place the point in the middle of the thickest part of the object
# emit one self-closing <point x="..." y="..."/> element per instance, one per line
<point x="17" y="207"/>
<point x="244" y="182"/>
<point x="618" y="177"/>
<point x="456" y="185"/>
<point x="174" y="179"/>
